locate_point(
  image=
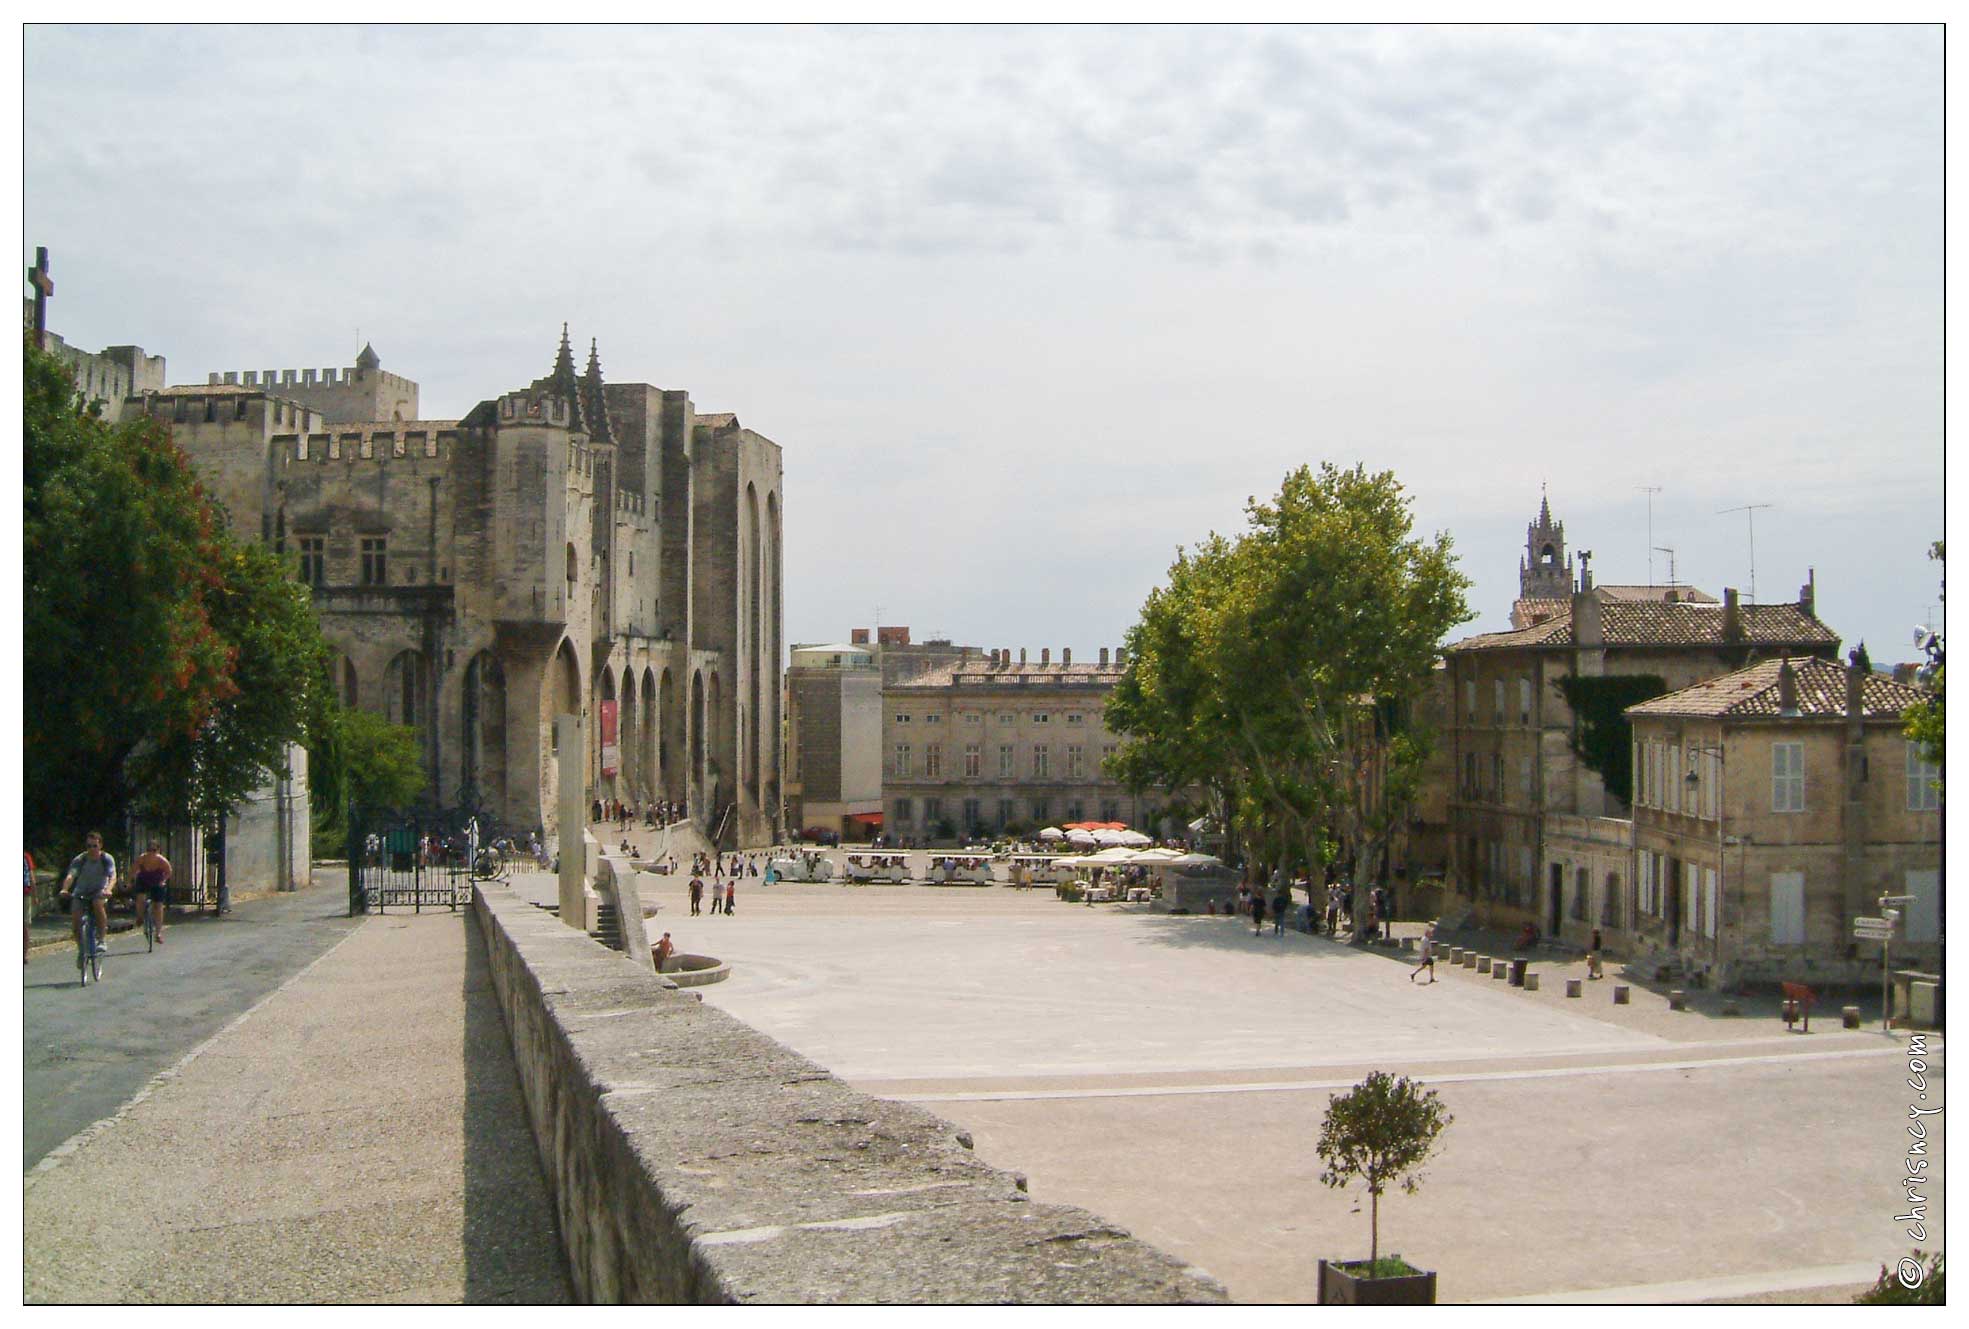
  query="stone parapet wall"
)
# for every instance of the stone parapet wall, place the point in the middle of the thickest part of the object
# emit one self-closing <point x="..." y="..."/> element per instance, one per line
<point x="693" y="1159"/>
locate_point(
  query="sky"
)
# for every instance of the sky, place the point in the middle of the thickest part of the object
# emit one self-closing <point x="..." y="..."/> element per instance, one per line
<point x="1027" y="308"/>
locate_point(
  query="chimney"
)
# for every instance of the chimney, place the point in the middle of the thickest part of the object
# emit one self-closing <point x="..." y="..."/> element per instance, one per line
<point x="1022" y="655"/>
<point x="1120" y="657"/>
<point x="1732" y="615"/>
<point x="1586" y="614"/>
<point x="1104" y="657"/>
<point x="1787" y="689"/>
<point x="858" y="637"/>
<point x="1808" y="593"/>
<point x="1066" y="655"/>
<point x="1855" y="693"/>
<point x="994" y="659"/>
<point x="1046" y="655"/>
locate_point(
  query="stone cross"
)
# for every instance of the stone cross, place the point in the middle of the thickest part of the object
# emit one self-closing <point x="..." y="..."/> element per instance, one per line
<point x="44" y="286"/>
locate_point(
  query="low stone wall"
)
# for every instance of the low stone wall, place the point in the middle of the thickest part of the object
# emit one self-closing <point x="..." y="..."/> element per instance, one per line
<point x="693" y="1159"/>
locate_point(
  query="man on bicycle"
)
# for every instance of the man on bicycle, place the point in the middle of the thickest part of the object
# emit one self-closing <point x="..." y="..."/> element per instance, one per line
<point x="90" y="877"/>
<point x="153" y="887"/>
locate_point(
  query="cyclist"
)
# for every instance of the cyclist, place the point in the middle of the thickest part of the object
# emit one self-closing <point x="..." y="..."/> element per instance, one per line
<point x="90" y="877"/>
<point x="153" y="888"/>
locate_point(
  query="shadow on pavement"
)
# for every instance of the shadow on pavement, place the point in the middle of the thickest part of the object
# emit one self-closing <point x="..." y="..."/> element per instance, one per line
<point x="513" y="1252"/>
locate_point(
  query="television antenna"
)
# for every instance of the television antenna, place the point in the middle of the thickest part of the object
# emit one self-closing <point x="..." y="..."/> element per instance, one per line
<point x="1651" y="491"/>
<point x="1663" y="549"/>
<point x="1749" y="511"/>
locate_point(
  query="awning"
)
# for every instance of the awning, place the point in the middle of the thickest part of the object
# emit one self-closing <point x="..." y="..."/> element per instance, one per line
<point x="864" y="818"/>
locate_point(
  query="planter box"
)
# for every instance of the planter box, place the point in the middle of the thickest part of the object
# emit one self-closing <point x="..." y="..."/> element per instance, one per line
<point x="1339" y="1286"/>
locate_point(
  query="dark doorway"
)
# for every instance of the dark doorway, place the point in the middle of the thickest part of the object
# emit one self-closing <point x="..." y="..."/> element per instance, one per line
<point x="1556" y="904"/>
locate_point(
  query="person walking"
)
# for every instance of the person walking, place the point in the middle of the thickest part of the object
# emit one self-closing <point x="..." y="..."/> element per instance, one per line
<point x="1333" y="911"/>
<point x="27" y="910"/>
<point x="1428" y="958"/>
<point x="1593" y="969"/>
<point x="717" y="894"/>
<point x="731" y="896"/>
<point x="1281" y="904"/>
<point x="663" y="952"/>
<point x="1257" y="913"/>
<point x="697" y="893"/>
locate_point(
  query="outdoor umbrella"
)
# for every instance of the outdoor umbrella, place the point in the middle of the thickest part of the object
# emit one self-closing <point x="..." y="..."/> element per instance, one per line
<point x="1052" y="833"/>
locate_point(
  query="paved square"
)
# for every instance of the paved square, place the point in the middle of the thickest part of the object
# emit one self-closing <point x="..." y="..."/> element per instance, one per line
<point x="1170" y="1073"/>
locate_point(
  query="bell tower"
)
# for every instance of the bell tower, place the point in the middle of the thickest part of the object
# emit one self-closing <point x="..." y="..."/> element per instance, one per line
<point x="1545" y="572"/>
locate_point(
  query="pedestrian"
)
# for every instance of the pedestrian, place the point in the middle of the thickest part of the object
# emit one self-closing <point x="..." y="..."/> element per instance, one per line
<point x="1593" y="957"/>
<point x="697" y="891"/>
<point x="1333" y="911"/>
<point x="27" y="910"/>
<point x="1428" y="958"/>
<point x="1281" y="902"/>
<point x="663" y="951"/>
<point x="1257" y="912"/>
<point x="731" y="896"/>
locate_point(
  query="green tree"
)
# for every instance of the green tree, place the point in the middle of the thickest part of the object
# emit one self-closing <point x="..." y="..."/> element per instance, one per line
<point x="360" y="758"/>
<point x="1265" y="669"/>
<point x="1924" y="721"/>
<point x="1380" y="1132"/>
<point x="167" y="664"/>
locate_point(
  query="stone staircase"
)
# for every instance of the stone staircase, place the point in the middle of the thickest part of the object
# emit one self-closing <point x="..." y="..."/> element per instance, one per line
<point x="608" y="928"/>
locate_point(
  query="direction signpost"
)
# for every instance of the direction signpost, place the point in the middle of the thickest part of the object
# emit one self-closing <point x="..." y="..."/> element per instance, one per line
<point x="1881" y="929"/>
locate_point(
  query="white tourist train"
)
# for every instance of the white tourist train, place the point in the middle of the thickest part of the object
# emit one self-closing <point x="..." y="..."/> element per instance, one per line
<point x="960" y="867"/>
<point x="1038" y="869"/>
<point x="878" y="865"/>
<point x="803" y="865"/>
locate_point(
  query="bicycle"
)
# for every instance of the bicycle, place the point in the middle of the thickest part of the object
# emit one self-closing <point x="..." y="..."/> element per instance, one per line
<point x="150" y="925"/>
<point x="88" y="963"/>
<point x="490" y="865"/>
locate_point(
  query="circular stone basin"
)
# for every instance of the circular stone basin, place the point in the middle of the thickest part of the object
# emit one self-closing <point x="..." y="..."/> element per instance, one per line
<point x="691" y="971"/>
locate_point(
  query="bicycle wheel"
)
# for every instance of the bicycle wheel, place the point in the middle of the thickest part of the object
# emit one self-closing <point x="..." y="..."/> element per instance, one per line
<point x="150" y="931"/>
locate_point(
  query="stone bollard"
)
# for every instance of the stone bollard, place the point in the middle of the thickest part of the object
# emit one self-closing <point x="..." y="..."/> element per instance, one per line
<point x="1849" y="1016"/>
<point x="1408" y="945"/>
<point x="1732" y="1008"/>
<point x="1469" y="959"/>
<point x="1678" y="1000"/>
<point x="1574" y="987"/>
<point x="1621" y="994"/>
<point x="1483" y="964"/>
<point x="1500" y="970"/>
<point x="1531" y="981"/>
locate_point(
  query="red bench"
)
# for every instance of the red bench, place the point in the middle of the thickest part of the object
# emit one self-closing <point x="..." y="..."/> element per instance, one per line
<point x="1798" y="1003"/>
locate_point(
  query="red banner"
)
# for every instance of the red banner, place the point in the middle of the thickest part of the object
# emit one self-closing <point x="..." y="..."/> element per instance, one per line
<point x="610" y="754"/>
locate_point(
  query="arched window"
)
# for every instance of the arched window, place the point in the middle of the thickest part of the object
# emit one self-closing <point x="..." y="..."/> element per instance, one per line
<point x="573" y="567"/>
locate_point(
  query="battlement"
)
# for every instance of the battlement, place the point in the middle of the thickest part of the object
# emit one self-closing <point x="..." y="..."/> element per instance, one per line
<point x="275" y="379"/>
<point x="625" y="501"/>
<point x="379" y="442"/>
<point x="519" y="408"/>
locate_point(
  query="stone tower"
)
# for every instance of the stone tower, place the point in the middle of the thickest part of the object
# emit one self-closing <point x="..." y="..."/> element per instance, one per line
<point x="1545" y="572"/>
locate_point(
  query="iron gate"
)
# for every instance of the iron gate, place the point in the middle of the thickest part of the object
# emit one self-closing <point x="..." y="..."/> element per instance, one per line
<point x="409" y="860"/>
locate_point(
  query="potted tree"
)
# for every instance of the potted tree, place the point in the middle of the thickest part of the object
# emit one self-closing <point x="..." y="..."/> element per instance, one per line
<point x="1381" y="1132"/>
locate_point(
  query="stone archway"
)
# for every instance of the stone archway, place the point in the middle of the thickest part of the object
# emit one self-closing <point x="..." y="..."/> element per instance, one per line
<point x="697" y="743"/>
<point x="560" y="695"/>
<point x="749" y="651"/>
<point x="605" y="786"/>
<point x="483" y="767"/>
<point x="670" y="739"/>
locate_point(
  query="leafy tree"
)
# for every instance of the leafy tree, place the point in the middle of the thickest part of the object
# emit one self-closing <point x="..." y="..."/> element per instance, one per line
<point x="1250" y="673"/>
<point x="1601" y="735"/>
<point x="363" y="759"/>
<point x="1381" y="1131"/>
<point x="1924" y="721"/>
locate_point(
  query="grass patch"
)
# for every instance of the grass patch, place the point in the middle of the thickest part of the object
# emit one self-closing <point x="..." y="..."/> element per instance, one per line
<point x="1388" y="1266"/>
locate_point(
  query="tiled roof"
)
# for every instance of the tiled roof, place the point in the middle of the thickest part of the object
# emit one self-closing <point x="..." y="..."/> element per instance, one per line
<point x="1659" y="624"/>
<point x="1753" y="693"/>
<point x="1689" y="593"/>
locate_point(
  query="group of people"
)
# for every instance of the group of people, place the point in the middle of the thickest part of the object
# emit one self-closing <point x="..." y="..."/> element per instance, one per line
<point x="91" y="879"/>
<point x="725" y="901"/>
<point x="651" y="811"/>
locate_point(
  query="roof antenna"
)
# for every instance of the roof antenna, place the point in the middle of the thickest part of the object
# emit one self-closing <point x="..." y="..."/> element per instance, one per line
<point x="1663" y="549"/>
<point x="1749" y="511"/>
<point x="1651" y="491"/>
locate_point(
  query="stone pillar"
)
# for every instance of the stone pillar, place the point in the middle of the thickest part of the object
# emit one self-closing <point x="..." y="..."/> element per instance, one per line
<point x="574" y="818"/>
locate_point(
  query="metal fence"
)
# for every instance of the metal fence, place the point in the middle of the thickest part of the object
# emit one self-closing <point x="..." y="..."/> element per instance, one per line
<point x="408" y="860"/>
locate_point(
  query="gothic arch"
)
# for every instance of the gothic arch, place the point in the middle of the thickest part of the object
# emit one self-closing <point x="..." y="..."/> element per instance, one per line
<point x="483" y="730"/>
<point x="697" y="741"/>
<point x="342" y="679"/>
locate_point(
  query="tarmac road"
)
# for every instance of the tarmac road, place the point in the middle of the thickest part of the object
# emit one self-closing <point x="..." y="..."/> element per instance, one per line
<point x="87" y="1052"/>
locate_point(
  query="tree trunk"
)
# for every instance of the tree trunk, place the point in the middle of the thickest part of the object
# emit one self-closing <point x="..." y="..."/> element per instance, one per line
<point x="1374" y="1230"/>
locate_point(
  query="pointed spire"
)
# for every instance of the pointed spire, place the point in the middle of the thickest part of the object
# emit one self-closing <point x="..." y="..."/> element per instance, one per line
<point x="563" y="383"/>
<point x="368" y="359"/>
<point x="593" y="402"/>
<point x="1544" y="507"/>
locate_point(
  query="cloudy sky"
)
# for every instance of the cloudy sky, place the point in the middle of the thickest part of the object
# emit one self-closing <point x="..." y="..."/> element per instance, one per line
<point x="1028" y="308"/>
